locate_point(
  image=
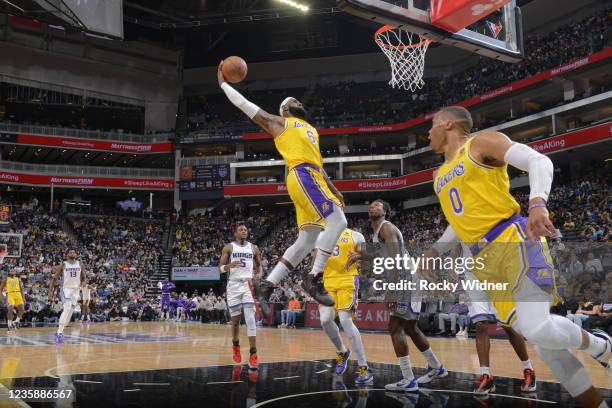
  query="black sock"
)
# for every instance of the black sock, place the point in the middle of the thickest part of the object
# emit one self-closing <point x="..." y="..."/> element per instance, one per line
<point x="236" y="342"/>
<point x="253" y="350"/>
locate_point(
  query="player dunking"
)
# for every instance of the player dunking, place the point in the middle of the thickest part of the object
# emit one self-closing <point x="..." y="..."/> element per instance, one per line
<point x="238" y="260"/>
<point x="318" y="204"/>
<point x="14" y="289"/>
<point x="72" y="274"/>
<point x="405" y="309"/>
<point x="342" y="283"/>
<point x="474" y="192"/>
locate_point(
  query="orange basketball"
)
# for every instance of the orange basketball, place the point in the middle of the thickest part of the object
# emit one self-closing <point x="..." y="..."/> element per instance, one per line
<point x="234" y="69"/>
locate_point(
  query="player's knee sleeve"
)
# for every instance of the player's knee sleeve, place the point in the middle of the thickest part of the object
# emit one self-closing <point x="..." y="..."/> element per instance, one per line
<point x="552" y="333"/>
<point x="335" y="223"/>
<point x="249" y="318"/>
<point x="327" y="314"/>
<point x="567" y="368"/>
<point x="346" y="320"/>
<point x="303" y="245"/>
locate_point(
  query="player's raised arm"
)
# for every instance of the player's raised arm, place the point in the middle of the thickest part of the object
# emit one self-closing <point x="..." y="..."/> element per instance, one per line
<point x="444" y="244"/>
<point x="495" y="148"/>
<point x="257" y="262"/>
<point x="224" y="263"/>
<point x="271" y="124"/>
<point x="57" y="271"/>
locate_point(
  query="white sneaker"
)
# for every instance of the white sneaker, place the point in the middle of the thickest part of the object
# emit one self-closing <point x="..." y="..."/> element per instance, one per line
<point x="403" y="385"/>
<point x="432" y="374"/>
<point x="605" y="358"/>
<point x="459" y="333"/>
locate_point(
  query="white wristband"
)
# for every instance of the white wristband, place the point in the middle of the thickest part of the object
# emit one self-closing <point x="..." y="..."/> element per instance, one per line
<point x="235" y="97"/>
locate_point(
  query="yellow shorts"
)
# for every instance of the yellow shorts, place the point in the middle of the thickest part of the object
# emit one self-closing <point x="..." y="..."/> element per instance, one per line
<point x="510" y="258"/>
<point x="343" y="291"/>
<point x="15" y="299"/>
<point x="309" y="192"/>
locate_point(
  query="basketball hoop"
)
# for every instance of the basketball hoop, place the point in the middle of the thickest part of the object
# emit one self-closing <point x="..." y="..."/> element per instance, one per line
<point x="406" y="53"/>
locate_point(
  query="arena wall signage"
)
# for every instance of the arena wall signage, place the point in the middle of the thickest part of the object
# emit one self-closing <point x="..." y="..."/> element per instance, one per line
<point x="85" y="181"/>
<point x="504" y="90"/>
<point x="550" y="145"/>
<point x="91" y="144"/>
<point x="183" y="273"/>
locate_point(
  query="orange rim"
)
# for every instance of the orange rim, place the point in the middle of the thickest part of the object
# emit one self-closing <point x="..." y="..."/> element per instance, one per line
<point x="386" y="28"/>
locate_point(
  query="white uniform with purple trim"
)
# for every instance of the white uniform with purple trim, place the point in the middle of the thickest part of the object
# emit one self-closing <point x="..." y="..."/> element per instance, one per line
<point x="71" y="282"/>
<point x="238" y="290"/>
<point x="480" y="307"/>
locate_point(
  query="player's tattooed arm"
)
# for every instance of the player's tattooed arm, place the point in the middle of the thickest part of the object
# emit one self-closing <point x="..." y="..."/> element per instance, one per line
<point x="257" y="262"/>
<point x="272" y="124"/>
<point x="496" y="149"/>
<point x="224" y="264"/>
<point x="57" y="271"/>
<point x="333" y="188"/>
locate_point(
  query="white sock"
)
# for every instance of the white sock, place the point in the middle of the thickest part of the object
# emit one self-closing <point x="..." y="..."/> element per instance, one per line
<point x="9" y="323"/>
<point x="331" y="329"/>
<point x="527" y="365"/>
<point x="279" y="273"/>
<point x="485" y="370"/>
<point x="406" y="368"/>
<point x="60" y="329"/>
<point x="320" y="261"/>
<point x="432" y="361"/>
<point x="17" y="319"/>
<point x="596" y="346"/>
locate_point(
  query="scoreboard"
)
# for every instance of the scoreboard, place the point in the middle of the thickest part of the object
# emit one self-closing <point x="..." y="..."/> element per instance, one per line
<point x="5" y="214"/>
<point x="205" y="177"/>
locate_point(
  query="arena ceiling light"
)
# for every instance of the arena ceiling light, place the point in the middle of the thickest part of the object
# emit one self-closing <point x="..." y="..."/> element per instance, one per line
<point x="292" y="3"/>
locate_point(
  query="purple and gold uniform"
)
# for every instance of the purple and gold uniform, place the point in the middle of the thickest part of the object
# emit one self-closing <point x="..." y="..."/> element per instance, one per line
<point x="166" y="289"/>
<point x="299" y="146"/>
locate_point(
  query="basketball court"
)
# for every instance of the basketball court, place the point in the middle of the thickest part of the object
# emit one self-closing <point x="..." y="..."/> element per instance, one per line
<point x="190" y="364"/>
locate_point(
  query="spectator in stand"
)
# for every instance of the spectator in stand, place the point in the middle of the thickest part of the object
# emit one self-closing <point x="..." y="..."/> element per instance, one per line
<point x="288" y="315"/>
<point x="459" y="308"/>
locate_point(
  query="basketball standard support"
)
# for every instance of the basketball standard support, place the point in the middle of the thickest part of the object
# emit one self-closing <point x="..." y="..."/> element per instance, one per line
<point x="418" y="21"/>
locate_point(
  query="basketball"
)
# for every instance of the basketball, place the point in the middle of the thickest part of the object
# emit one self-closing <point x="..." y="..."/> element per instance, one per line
<point x="234" y="69"/>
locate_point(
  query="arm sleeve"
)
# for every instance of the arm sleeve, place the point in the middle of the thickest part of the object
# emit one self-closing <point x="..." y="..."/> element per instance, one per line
<point x="539" y="167"/>
<point x="235" y="97"/>
<point x="446" y="241"/>
<point x="358" y="238"/>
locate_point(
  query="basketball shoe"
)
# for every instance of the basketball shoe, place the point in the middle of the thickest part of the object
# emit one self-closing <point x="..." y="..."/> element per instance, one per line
<point x="236" y="354"/>
<point x="432" y="374"/>
<point x="342" y="361"/>
<point x="314" y="286"/>
<point x="364" y="376"/>
<point x="486" y="385"/>
<point x="604" y="358"/>
<point x="404" y="385"/>
<point x="263" y="289"/>
<point x="529" y="380"/>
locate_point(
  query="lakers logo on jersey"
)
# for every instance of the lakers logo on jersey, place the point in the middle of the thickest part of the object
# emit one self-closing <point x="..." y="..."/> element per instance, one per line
<point x="299" y="144"/>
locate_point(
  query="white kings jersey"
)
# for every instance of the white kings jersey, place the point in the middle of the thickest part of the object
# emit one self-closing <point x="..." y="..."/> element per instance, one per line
<point x="72" y="274"/>
<point x="244" y="255"/>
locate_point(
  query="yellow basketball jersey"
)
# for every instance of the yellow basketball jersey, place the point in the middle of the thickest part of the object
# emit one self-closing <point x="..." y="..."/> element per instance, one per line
<point x="299" y="143"/>
<point x="12" y="285"/>
<point x="336" y="265"/>
<point x="474" y="197"/>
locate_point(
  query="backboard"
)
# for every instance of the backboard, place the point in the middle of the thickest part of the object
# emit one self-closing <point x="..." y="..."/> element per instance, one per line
<point x="13" y="244"/>
<point x="494" y="29"/>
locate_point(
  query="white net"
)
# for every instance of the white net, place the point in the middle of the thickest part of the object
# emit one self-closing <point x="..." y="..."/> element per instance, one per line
<point x="406" y="53"/>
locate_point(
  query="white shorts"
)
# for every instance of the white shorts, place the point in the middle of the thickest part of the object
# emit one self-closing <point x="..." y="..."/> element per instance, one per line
<point x="480" y="308"/>
<point x="86" y="295"/>
<point x="238" y="293"/>
<point x="71" y="295"/>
